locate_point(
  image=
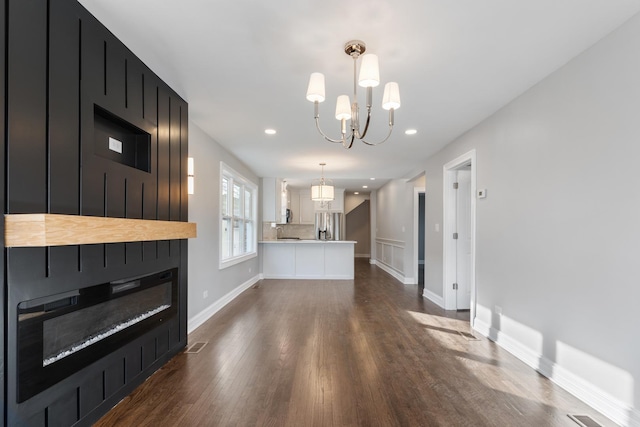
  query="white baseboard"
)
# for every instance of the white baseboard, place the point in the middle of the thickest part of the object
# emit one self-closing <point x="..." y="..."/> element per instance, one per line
<point x="434" y="298"/>
<point x="328" y="277"/>
<point x="205" y="314"/>
<point x="592" y="395"/>
<point x="362" y="255"/>
<point x="372" y="261"/>
<point x="396" y="274"/>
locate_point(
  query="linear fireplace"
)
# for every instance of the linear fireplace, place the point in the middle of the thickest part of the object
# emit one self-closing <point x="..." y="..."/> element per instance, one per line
<point x="61" y="334"/>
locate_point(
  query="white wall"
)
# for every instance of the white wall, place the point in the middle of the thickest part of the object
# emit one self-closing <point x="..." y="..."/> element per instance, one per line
<point x="352" y="201"/>
<point x="204" y="250"/>
<point x="558" y="235"/>
<point x="393" y="207"/>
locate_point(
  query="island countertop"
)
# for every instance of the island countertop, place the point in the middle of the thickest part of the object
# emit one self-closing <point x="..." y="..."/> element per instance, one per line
<point x="308" y="259"/>
<point x="306" y="241"/>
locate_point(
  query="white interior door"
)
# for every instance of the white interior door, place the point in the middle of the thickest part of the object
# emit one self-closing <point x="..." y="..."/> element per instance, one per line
<point x="463" y="242"/>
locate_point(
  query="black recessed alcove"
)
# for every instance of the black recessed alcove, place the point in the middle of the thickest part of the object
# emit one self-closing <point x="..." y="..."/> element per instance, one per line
<point x="136" y="143"/>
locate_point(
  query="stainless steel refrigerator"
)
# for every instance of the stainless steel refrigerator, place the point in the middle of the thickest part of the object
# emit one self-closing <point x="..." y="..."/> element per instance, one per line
<point x="328" y="226"/>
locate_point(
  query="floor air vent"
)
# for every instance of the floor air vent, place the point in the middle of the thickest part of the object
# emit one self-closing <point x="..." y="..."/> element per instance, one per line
<point x="196" y="347"/>
<point x="585" y="420"/>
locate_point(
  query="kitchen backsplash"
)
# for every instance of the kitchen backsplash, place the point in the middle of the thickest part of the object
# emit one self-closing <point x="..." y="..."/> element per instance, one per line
<point x="301" y="231"/>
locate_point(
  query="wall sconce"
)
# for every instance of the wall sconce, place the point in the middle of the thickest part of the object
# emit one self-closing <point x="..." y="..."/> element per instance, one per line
<point x="190" y="176"/>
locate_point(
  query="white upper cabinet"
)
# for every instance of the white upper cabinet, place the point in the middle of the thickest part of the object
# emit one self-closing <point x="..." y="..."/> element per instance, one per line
<point x="274" y="201"/>
<point x="307" y="213"/>
<point x="301" y="205"/>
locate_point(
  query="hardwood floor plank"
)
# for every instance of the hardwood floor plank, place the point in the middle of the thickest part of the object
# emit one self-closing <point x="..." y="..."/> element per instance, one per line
<point x="368" y="352"/>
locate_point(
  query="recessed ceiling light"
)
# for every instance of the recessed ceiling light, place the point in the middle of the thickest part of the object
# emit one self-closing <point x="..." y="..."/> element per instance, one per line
<point x="270" y="131"/>
<point x="372" y="179"/>
<point x="356" y="192"/>
<point x="410" y="132"/>
<point x="365" y="186"/>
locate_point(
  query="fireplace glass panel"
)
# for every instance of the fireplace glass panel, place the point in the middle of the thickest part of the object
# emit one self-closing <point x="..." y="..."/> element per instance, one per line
<point x="72" y="332"/>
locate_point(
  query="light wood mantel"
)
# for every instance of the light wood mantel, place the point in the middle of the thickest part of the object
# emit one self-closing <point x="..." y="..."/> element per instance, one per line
<point x="39" y="230"/>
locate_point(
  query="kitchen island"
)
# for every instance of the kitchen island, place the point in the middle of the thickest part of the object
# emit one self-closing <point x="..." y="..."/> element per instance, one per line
<point x="308" y="259"/>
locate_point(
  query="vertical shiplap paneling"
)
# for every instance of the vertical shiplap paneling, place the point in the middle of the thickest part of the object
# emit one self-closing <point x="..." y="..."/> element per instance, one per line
<point x="163" y="171"/>
<point x="134" y="93"/>
<point x="64" y="411"/>
<point x="2" y="201"/>
<point x="64" y="129"/>
<point x="175" y="168"/>
<point x="91" y="393"/>
<point x="134" y="90"/>
<point x="26" y="163"/>
<point x="64" y="110"/>
<point x="92" y="92"/>
<point x="116" y="78"/>
<point x="163" y="181"/>
<point x="184" y="155"/>
<point x="113" y="377"/>
<point x="150" y="188"/>
<point x="27" y="107"/>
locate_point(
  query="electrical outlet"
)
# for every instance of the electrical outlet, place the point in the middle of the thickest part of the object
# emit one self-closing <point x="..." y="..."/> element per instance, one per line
<point x="250" y="269"/>
<point x="205" y="294"/>
<point x="498" y="310"/>
<point x="437" y="228"/>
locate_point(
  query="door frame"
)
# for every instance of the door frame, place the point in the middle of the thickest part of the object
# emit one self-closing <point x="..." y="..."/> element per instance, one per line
<point x="449" y="217"/>
<point x="416" y="215"/>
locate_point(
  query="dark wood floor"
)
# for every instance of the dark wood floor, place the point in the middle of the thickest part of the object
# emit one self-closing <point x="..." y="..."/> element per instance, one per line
<point x="369" y="352"/>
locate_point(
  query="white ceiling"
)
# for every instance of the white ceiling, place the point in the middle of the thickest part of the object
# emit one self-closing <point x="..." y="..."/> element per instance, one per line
<point x="243" y="66"/>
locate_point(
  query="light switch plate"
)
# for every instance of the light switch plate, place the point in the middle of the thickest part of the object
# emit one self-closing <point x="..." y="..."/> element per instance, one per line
<point x="115" y="145"/>
<point x="482" y="193"/>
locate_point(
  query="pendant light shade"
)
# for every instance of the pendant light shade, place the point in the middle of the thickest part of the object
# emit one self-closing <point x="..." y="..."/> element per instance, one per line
<point x="369" y="71"/>
<point x="391" y="96"/>
<point x="322" y="190"/>
<point x="315" y="90"/>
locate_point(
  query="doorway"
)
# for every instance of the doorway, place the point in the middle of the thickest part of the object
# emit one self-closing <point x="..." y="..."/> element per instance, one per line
<point x="419" y="225"/>
<point x="459" y="234"/>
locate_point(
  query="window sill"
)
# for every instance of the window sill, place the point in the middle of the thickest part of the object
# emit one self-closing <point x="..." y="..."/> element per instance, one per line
<point x="229" y="262"/>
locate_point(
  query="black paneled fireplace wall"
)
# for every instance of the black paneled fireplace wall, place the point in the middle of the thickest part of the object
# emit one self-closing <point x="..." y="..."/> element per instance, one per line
<point x="69" y="84"/>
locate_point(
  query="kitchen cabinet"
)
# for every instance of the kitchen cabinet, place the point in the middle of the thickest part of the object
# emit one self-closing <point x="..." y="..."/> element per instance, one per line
<point x="308" y="259"/>
<point x="293" y="203"/>
<point x="301" y="206"/>
<point x="274" y="200"/>
<point x="307" y="211"/>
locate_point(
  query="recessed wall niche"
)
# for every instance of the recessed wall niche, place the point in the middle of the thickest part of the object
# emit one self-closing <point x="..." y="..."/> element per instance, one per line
<point x="120" y="141"/>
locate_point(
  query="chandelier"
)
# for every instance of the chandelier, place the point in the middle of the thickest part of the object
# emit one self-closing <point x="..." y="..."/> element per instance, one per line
<point x="345" y="109"/>
<point x="322" y="190"/>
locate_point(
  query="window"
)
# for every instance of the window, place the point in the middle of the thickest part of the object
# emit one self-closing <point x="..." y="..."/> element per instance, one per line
<point x="238" y="203"/>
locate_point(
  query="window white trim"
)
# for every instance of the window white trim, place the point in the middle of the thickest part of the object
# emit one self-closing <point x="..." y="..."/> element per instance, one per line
<point x="235" y="178"/>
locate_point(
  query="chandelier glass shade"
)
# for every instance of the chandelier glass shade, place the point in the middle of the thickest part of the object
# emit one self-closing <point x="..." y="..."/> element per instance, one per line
<point x="322" y="190"/>
<point x="347" y="110"/>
